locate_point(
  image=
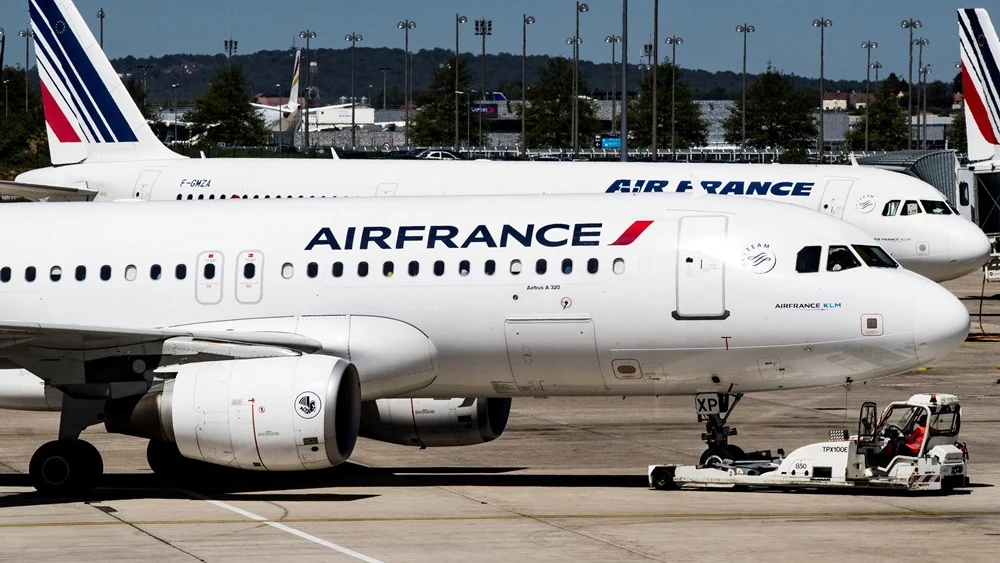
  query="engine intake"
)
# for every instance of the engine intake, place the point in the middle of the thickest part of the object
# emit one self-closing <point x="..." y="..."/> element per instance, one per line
<point x="434" y="422"/>
<point x="270" y="414"/>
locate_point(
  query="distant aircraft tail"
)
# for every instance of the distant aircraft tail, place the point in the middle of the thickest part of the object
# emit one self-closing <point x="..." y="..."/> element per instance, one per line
<point x="980" y="82"/>
<point x="89" y="115"/>
<point x="293" y="95"/>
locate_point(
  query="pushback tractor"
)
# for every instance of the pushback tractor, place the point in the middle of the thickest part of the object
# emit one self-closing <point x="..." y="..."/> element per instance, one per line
<point x="913" y="446"/>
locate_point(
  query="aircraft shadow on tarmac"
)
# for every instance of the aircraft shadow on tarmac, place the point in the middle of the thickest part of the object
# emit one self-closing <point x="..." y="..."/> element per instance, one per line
<point x="227" y="484"/>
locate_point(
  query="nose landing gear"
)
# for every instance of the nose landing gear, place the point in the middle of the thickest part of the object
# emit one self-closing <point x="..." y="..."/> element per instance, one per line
<point x="714" y="409"/>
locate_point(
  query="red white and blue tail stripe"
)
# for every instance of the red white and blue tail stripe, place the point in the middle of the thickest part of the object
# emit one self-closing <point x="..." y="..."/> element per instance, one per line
<point x="980" y="81"/>
<point x="88" y="112"/>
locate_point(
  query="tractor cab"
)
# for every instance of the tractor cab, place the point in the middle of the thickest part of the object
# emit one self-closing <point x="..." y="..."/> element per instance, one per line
<point x="896" y="434"/>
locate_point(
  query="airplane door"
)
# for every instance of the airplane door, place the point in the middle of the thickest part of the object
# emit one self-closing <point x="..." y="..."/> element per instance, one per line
<point x="209" y="275"/>
<point x="835" y="197"/>
<point x="554" y="354"/>
<point x="701" y="269"/>
<point x="249" y="275"/>
<point x="386" y="190"/>
<point x="144" y="185"/>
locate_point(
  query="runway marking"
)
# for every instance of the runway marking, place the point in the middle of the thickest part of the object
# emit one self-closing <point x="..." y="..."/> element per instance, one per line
<point x="283" y="527"/>
<point x="903" y="513"/>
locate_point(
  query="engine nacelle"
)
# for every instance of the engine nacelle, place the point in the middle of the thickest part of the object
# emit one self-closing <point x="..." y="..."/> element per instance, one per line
<point x="271" y="414"/>
<point x="434" y="422"/>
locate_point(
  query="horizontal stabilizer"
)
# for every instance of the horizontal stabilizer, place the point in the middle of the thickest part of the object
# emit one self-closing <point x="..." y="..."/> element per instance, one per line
<point x="39" y="192"/>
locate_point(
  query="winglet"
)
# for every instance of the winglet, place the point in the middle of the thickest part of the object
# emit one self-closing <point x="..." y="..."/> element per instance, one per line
<point x="89" y="114"/>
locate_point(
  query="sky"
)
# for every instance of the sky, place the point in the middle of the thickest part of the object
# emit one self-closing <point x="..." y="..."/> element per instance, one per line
<point x="784" y="33"/>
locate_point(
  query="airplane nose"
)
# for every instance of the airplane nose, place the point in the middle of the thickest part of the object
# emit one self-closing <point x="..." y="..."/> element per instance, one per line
<point x="969" y="249"/>
<point x="940" y="323"/>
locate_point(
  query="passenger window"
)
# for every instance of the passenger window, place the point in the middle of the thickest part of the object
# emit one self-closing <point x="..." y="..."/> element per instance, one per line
<point x="891" y="208"/>
<point x="181" y="271"/>
<point x="387" y="269"/>
<point x="287" y="270"/>
<point x="807" y="260"/>
<point x="540" y="266"/>
<point x="567" y="266"/>
<point x="208" y="272"/>
<point x="55" y="274"/>
<point x="911" y="208"/>
<point x="180" y="197"/>
<point x="338" y="269"/>
<point x="439" y="268"/>
<point x="592" y="265"/>
<point x="4" y="274"/>
<point x="201" y="196"/>
<point x="414" y="268"/>
<point x="515" y="267"/>
<point x="249" y="270"/>
<point x="131" y="272"/>
<point x="490" y="267"/>
<point x="211" y="196"/>
<point x="463" y="268"/>
<point x="190" y="196"/>
<point x="155" y="272"/>
<point x="875" y="256"/>
<point x="362" y="267"/>
<point x="312" y="269"/>
<point x="935" y="207"/>
<point x="30" y="273"/>
<point x="105" y="272"/>
<point x="618" y="266"/>
<point x="841" y="258"/>
<point x="81" y="273"/>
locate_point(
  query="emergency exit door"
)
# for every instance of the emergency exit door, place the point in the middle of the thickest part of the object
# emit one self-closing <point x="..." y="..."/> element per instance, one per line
<point x="144" y="185"/>
<point x="701" y="268"/>
<point x="835" y="197"/>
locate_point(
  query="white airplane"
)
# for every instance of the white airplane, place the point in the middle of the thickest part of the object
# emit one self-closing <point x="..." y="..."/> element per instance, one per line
<point x="250" y="335"/>
<point x="284" y="117"/>
<point x="102" y="148"/>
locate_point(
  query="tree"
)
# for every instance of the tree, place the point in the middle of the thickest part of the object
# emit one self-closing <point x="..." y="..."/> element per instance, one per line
<point x="778" y="115"/>
<point x="956" y="137"/>
<point x="887" y="123"/>
<point x="550" y="108"/>
<point x="223" y="114"/>
<point x="23" y="140"/>
<point x="141" y="98"/>
<point x="434" y="124"/>
<point x="691" y="129"/>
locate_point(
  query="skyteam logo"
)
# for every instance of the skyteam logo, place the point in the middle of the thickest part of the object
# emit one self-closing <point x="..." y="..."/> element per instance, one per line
<point x="76" y="101"/>
<point x="866" y="203"/>
<point x="758" y="258"/>
<point x="480" y="236"/>
<point x="715" y="187"/>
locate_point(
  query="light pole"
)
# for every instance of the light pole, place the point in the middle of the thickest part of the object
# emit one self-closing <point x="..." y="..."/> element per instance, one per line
<point x="281" y="110"/>
<point x="468" y="118"/>
<point x="574" y="42"/>
<point x="656" y="63"/>
<point x="910" y="25"/>
<point x="744" y="28"/>
<point x="822" y="24"/>
<point x="174" y="88"/>
<point x="100" y="18"/>
<point x="920" y="66"/>
<point x="231" y="46"/>
<point x="868" y="45"/>
<point x="3" y="45"/>
<point x="924" y="71"/>
<point x="613" y="40"/>
<point x="307" y="34"/>
<point x="406" y="26"/>
<point x="6" y="100"/>
<point x="580" y="8"/>
<point x="526" y="20"/>
<point x="459" y="19"/>
<point x="624" y="127"/>
<point x="27" y="34"/>
<point x="144" y="68"/>
<point x="876" y="65"/>
<point x="484" y="27"/>
<point x="673" y="41"/>
<point x="353" y="38"/>
<point x="384" y="70"/>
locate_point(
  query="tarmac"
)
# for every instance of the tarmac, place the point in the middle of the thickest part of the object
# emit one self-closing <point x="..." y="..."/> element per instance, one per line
<point x="566" y="482"/>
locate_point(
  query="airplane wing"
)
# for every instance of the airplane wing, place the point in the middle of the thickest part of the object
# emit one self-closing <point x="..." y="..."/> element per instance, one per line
<point x="41" y="192"/>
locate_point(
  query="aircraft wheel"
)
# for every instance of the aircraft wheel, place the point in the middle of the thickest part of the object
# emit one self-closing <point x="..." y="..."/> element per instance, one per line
<point x="64" y="467"/>
<point x="712" y="457"/>
<point x="736" y="453"/>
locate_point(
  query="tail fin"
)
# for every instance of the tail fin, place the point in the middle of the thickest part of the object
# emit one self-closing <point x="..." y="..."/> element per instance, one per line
<point x="980" y="82"/>
<point x="293" y="95"/>
<point x="89" y="114"/>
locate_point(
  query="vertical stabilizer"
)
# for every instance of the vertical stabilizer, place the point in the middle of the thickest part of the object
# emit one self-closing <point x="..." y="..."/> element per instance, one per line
<point x="89" y="115"/>
<point x="980" y="80"/>
<point x="293" y="95"/>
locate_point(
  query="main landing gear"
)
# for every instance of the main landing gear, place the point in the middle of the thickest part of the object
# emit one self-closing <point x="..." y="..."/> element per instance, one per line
<point x="714" y="410"/>
<point x="69" y="465"/>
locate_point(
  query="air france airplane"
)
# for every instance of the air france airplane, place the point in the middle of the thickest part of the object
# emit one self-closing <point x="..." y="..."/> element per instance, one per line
<point x="102" y="148"/>
<point x="255" y="335"/>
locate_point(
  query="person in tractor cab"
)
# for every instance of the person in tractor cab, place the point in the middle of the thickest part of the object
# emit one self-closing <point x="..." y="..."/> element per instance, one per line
<point x="915" y="439"/>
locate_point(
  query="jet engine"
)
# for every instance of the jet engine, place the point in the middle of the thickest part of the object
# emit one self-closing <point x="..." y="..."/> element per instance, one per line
<point x="270" y="414"/>
<point x="434" y="422"/>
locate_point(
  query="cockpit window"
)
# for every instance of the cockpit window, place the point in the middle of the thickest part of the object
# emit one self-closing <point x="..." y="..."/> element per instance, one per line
<point x="933" y="207"/>
<point x="841" y="258"/>
<point x="807" y="260"/>
<point x="954" y="209"/>
<point x="891" y="208"/>
<point x="911" y="208"/>
<point x="875" y="256"/>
